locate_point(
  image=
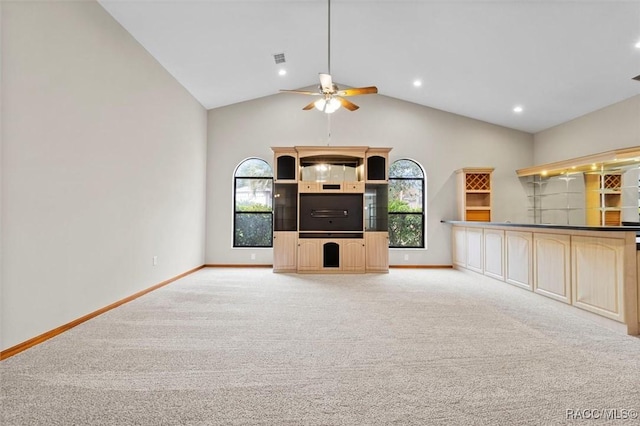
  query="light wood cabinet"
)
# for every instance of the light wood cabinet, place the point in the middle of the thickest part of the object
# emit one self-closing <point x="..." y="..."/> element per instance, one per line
<point x="459" y="242"/>
<point x="594" y="270"/>
<point x="284" y="251"/>
<point x="352" y="254"/>
<point x="377" y="251"/>
<point x="597" y="284"/>
<point x="552" y="266"/>
<point x="334" y="200"/>
<point x="319" y="255"/>
<point x="518" y="258"/>
<point x="309" y="256"/>
<point x="494" y="253"/>
<point x="474" y="244"/>
<point x="603" y="197"/>
<point x="377" y="165"/>
<point x="353" y="187"/>
<point x="285" y="165"/>
<point x="474" y="194"/>
<point x="308" y="187"/>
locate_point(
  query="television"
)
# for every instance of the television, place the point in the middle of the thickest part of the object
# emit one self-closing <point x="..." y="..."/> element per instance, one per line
<point x="331" y="212"/>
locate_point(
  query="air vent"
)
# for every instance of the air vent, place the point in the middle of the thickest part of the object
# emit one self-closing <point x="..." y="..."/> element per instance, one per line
<point x="279" y="58"/>
<point x="637" y="77"/>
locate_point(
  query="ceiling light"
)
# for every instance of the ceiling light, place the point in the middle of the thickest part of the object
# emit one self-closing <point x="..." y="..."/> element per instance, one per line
<point x="327" y="105"/>
<point x="282" y="72"/>
<point x="517" y="109"/>
<point x="638" y="45"/>
<point x="417" y="83"/>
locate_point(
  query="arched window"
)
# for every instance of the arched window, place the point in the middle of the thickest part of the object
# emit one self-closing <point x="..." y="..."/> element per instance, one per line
<point x="252" y="195"/>
<point x="406" y="205"/>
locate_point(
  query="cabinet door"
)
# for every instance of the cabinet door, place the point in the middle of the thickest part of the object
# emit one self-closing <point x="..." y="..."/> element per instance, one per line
<point x="377" y="251"/>
<point x="286" y="167"/>
<point x="552" y="266"/>
<point x="284" y="251"/>
<point x="475" y="249"/>
<point x="377" y="167"/>
<point x="597" y="275"/>
<point x="309" y="255"/>
<point x="459" y="235"/>
<point x="518" y="255"/>
<point x="494" y="253"/>
<point x="352" y="254"/>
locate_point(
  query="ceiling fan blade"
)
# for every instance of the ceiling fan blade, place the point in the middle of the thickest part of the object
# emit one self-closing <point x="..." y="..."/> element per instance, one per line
<point x="358" y="91"/>
<point x="326" y="83"/>
<point x="300" y="92"/>
<point x="347" y="104"/>
<point x="637" y="77"/>
<point x="310" y="106"/>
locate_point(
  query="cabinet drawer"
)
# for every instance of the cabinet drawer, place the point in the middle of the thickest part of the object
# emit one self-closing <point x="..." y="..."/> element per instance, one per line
<point x="307" y="186"/>
<point x="353" y="187"/>
<point x="478" y="215"/>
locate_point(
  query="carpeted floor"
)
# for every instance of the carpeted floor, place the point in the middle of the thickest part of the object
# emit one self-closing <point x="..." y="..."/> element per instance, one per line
<point x="246" y="346"/>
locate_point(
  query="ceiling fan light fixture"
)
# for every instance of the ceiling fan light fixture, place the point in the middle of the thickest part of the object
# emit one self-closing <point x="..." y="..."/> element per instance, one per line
<point x="328" y="106"/>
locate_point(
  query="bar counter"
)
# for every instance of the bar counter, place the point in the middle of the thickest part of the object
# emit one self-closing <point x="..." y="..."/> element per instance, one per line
<point x="591" y="268"/>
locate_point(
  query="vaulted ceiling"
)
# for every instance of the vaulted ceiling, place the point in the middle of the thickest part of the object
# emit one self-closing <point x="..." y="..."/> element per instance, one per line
<point x="556" y="59"/>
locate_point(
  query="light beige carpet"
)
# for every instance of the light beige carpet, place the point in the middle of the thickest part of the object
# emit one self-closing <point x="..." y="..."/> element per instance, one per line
<point x="246" y="346"/>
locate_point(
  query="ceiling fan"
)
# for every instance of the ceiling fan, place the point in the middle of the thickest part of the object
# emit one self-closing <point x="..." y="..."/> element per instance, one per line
<point x="331" y="97"/>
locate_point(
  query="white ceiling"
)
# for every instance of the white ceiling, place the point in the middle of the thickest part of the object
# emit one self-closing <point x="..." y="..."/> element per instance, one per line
<point x="558" y="59"/>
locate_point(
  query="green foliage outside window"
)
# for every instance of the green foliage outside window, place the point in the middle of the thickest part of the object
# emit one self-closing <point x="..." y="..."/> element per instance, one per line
<point x="252" y="207"/>
<point x="253" y="230"/>
<point x="405" y="230"/>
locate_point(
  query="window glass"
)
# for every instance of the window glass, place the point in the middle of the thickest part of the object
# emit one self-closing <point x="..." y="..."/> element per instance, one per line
<point x="406" y="205"/>
<point x="252" y="200"/>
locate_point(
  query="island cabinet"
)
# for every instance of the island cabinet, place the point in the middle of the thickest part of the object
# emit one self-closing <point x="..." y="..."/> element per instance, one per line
<point x="591" y="268"/>
<point x="330" y="209"/>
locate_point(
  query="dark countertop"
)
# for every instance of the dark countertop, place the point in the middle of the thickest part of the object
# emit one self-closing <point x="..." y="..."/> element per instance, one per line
<point x="548" y="226"/>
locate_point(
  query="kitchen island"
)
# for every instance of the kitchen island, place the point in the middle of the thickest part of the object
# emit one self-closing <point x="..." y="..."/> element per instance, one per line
<point x="594" y="268"/>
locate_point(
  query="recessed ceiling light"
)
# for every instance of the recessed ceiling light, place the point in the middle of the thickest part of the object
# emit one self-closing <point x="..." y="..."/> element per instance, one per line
<point x="417" y="83"/>
<point x="282" y="72"/>
<point x="638" y="45"/>
<point x="517" y="109"/>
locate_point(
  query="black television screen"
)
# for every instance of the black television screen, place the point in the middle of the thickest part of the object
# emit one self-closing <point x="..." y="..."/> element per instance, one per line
<point x="330" y="212"/>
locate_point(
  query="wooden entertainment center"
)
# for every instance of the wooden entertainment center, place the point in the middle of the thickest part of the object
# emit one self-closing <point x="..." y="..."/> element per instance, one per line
<point x="330" y="209"/>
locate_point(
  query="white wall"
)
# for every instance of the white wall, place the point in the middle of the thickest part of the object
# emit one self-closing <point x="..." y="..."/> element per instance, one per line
<point x="441" y="142"/>
<point x="612" y="127"/>
<point x="103" y="167"/>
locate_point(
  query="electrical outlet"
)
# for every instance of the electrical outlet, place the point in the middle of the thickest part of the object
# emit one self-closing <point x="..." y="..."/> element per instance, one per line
<point x="253" y="256"/>
<point x="406" y="257"/>
<point x="155" y="260"/>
